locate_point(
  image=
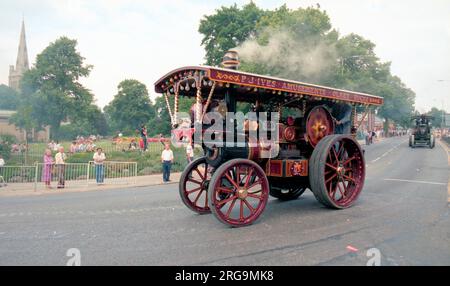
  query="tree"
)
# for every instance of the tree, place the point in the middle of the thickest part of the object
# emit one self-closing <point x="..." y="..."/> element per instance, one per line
<point x="161" y="121"/>
<point x="130" y="107"/>
<point x="226" y="29"/>
<point x="89" y="121"/>
<point x="302" y="45"/>
<point x="8" y="98"/>
<point x="51" y="89"/>
<point x="438" y="116"/>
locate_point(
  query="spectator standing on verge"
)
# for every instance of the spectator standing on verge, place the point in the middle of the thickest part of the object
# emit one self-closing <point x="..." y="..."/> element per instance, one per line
<point x="166" y="160"/>
<point x="73" y="147"/>
<point x="366" y="137"/>
<point x="47" y="169"/>
<point x="60" y="161"/>
<point x="373" y="135"/>
<point x="2" y="162"/>
<point x="189" y="151"/>
<point x="143" y="132"/>
<point x="99" y="159"/>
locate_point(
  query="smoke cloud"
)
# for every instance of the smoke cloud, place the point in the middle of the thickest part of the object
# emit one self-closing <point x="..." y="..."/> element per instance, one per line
<point x="303" y="59"/>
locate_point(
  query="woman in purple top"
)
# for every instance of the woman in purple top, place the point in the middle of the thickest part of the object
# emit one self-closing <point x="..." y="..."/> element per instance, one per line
<point x="47" y="170"/>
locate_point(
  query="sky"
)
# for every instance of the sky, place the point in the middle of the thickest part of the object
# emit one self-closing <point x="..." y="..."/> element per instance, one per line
<point x="145" y="39"/>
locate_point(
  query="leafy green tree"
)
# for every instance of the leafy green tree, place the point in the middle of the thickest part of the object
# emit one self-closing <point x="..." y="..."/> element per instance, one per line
<point x="161" y="122"/>
<point x="8" y="98"/>
<point x="89" y="121"/>
<point x="437" y="114"/>
<point x="51" y="89"/>
<point x="130" y="107"/>
<point x="227" y="28"/>
<point x="302" y="45"/>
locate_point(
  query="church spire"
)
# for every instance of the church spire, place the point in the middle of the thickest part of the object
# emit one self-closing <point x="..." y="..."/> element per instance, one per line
<point x="22" y="63"/>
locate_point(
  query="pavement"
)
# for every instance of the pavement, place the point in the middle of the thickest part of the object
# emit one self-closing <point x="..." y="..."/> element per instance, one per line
<point x="27" y="189"/>
<point x="402" y="214"/>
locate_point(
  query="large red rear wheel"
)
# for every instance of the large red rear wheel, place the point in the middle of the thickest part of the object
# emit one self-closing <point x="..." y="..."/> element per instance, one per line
<point x="193" y="186"/>
<point x="337" y="171"/>
<point x="238" y="192"/>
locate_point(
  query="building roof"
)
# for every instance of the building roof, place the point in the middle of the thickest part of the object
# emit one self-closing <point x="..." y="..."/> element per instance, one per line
<point x="6" y="114"/>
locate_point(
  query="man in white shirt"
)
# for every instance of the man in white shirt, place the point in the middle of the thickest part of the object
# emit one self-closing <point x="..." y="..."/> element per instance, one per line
<point x="2" y="161"/>
<point x="189" y="152"/>
<point x="166" y="160"/>
<point x="60" y="161"/>
<point x="99" y="158"/>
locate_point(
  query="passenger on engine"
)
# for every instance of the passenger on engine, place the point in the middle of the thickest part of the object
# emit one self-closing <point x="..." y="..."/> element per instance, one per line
<point x="342" y="114"/>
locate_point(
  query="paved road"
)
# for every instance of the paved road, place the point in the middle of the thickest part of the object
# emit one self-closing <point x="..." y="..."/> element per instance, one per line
<point x="402" y="211"/>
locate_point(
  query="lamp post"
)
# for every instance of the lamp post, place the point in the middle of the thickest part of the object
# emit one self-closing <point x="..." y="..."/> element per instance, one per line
<point x="443" y="111"/>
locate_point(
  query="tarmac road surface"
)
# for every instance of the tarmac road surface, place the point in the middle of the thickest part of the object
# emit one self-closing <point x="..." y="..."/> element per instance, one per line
<point x="402" y="212"/>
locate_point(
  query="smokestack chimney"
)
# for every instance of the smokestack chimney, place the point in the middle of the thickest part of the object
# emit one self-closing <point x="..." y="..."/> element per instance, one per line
<point x="231" y="60"/>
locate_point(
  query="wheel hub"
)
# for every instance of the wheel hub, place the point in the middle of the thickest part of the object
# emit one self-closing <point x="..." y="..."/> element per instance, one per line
<point x="340" y="171"/>
<point x="242" y="193"/>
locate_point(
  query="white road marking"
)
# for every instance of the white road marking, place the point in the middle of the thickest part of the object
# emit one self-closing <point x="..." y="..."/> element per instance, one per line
<point x="418" y="182"/>
<point x="92" y="213"/>
<point x="387" y="152"/>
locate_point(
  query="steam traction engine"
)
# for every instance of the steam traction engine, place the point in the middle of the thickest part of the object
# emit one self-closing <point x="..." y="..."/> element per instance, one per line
<point x="422" y="133"/>
<point x="234" y="181"/>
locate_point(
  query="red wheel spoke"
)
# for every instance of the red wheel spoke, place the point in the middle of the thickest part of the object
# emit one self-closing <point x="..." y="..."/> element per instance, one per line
<point x="349" y="160"/>
<point x="252" y="210"/>
<point x="206" y="171"/>
<point x="252" y="195"/>
<point x="198" y="196"/>
<point x="331" y="190"/>
<point x="195" y="181"/>
<point x="254" y="184"/>
<point x="331" y="166"/>
<point x="341" y="148"/>
<point x="329" y="156"/>
<point x="194" y="190"/>
<point x="231" y="207"/>
<point x="340" y="190"/>
<point x="330" y="178"/>
<point x="349" y="179"/>
<point x="249" y="175"/>
<point x="225" y="190"/>
<point x="231" y="181"/>
<point x="222" y="202"/>
<point x="334" y="153"/>
<point x="200" y="174"/>
<point x="238" y="175"/>
<point x="345" y="187"/>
